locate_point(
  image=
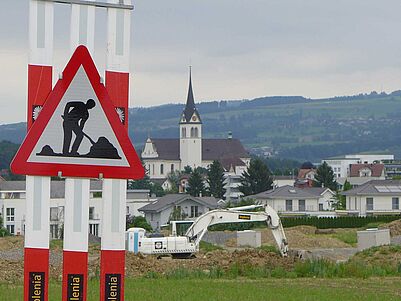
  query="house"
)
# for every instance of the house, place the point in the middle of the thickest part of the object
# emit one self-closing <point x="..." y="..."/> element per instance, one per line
<point x="306" y="175"/>
<point x="177" y="206"/>
<point x="341" y="165"/>
<point x="362" y="173"/>
<point x="374" y="197"/>
<point x="13" y="210"/>
<point x="392" y="169"/>
<point x="162" y="156"/>
<point x="290" y="200"/>
<point x="279" y="181"/>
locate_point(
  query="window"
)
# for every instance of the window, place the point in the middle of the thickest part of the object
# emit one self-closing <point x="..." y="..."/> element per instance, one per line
<point x="97" y="194"/>
<point x="91" y="212"/>
<point x="11" y="229"/>
<point x="10" y="214"/>
<point x="192" y="132"/>
<point x="184" y="133"/>
<point x="301" y="205"/>
<point x="161" y="169"/>
<point x="395" y="203"/>
<point x="194" y="211"/>
<point x="94" y="229"/>
<point x="288" y="205"/>
<point x="172" y="168"/>
<point x="53" y="214"/>
<point x="12" y="195"/>
<point x="54" y="231"/>
<point x="369" y="203"/>
<point x="196" y="132"/>
<point x="320" y="207"/>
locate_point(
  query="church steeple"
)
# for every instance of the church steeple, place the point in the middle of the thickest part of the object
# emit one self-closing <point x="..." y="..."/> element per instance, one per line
<point x="190" y="113"/>
<point x="190" y="132"/>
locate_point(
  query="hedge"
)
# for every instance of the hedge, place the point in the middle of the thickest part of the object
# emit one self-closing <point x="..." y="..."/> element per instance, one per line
<point x="320" y="223"/>
<point x="338" y="222"/>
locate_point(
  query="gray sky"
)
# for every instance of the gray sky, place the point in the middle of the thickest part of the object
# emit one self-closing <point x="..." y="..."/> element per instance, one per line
<point x="238" y="48"/>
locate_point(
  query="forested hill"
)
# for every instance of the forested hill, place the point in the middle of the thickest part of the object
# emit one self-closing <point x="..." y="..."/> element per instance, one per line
<point x="294" y="126"/>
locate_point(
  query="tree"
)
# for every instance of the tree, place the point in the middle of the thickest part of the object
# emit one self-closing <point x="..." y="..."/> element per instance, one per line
<point x="256" y="179"/>
<point x="196" y="187"/>
<point x="341" y="199"/>
<point x="145" y="183"/>
<point x="188" y="169"/>
<point x="325" y="177"/>
<point x="138" y="222"/>
<point x="215" y="179"/>
<point x="174" y="179"/>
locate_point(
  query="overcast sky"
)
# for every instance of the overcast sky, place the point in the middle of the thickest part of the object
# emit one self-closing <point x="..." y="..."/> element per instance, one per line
<point x="239" y="49"/>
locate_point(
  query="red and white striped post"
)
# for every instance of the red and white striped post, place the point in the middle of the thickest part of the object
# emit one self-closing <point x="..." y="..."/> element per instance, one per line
<point x="37" y="224"/>
<point x="76" y="212"/>
<point x="112" y="266"/>
<point x="75" y="249"/>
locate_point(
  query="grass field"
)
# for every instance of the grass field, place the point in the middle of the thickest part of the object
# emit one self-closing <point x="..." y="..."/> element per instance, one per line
<point x="240" y="289"/>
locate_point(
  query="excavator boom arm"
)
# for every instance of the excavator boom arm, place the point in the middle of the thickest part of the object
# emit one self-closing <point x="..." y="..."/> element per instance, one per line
<point x="221" y="216"/>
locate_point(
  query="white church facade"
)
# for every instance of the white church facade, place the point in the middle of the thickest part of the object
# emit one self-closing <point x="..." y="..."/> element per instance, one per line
<point x="162" y="156"/>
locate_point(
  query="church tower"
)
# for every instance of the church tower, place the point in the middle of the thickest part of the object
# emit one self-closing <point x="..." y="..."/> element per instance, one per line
<point x="190" y="132"/>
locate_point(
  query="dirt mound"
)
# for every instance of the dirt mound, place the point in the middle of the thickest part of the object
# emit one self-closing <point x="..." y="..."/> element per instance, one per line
<point x="11" y="271"/>
<point x="11" y="243"/>
<point x="303" y="237"/>
<point x="138" y="265"/>
<point x="394" y="226"/>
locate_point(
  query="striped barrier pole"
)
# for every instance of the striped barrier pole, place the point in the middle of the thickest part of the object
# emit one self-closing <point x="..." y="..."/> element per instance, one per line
<point x="75" y="249"/>
<point x="112" y="267"/>
<point x="37" y="224"/>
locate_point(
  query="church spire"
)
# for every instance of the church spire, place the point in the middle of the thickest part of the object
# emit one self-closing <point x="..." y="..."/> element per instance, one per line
<point x="190" y="108"/>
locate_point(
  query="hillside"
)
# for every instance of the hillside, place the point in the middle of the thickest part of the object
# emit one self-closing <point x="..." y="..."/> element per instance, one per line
<point x="296" y="127"/>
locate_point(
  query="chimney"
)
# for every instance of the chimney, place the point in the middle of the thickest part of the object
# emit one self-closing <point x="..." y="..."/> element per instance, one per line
<point x="230" y="135"/>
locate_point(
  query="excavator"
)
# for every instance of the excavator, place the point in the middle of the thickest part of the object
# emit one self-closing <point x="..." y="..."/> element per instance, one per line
<point x="187" y="245"/>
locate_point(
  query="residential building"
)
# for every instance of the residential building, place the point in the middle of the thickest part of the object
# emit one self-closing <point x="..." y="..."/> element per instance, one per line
<point x="290" y="200"/>
<point x="306" y="175"/>
<point x="178" y="207"/>
<point x="162" y="156"/>
<point x="392" y="169"/>
<point x="13" y="209"/>
<point x="362" y="173"/>
<point x="374" y="198"/>
<point x="279" y="181"/>
<point x="341" y="165"/>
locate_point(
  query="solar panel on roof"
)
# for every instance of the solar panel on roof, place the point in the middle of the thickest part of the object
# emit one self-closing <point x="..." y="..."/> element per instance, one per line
<point x="382" y="189"/>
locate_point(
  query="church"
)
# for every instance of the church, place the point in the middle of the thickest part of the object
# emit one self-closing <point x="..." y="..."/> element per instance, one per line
<point x="162" y="156"/>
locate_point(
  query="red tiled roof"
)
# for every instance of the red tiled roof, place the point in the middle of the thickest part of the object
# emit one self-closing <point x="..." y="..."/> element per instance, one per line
<point x="377" y="169"/>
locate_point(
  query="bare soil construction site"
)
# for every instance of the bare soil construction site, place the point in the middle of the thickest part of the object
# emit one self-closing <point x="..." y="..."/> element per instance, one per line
<point x="300" y="238"/>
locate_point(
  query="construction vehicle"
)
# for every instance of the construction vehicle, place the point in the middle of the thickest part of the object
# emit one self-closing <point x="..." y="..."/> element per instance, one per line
<point x="187" y="245"/>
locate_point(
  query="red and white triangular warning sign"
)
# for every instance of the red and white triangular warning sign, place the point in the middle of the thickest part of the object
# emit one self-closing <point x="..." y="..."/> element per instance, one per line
<point x="78" y="131"/>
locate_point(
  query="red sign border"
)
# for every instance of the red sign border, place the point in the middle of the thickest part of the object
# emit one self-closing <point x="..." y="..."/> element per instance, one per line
<point x="20" y="164"/>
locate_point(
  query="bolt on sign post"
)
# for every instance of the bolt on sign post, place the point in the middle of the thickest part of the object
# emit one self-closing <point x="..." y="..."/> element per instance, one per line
<point x="100" y="148"/>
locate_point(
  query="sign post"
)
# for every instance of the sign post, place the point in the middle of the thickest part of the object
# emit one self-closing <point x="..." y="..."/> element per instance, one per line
<point x="112" y="262"/>
<point x="74" y="132"/>
<point x="37" y="224"/>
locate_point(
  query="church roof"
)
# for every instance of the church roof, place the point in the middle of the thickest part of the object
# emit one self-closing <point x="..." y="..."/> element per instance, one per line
<point x="190" y="108"/>
<point x="212" y="149"/>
